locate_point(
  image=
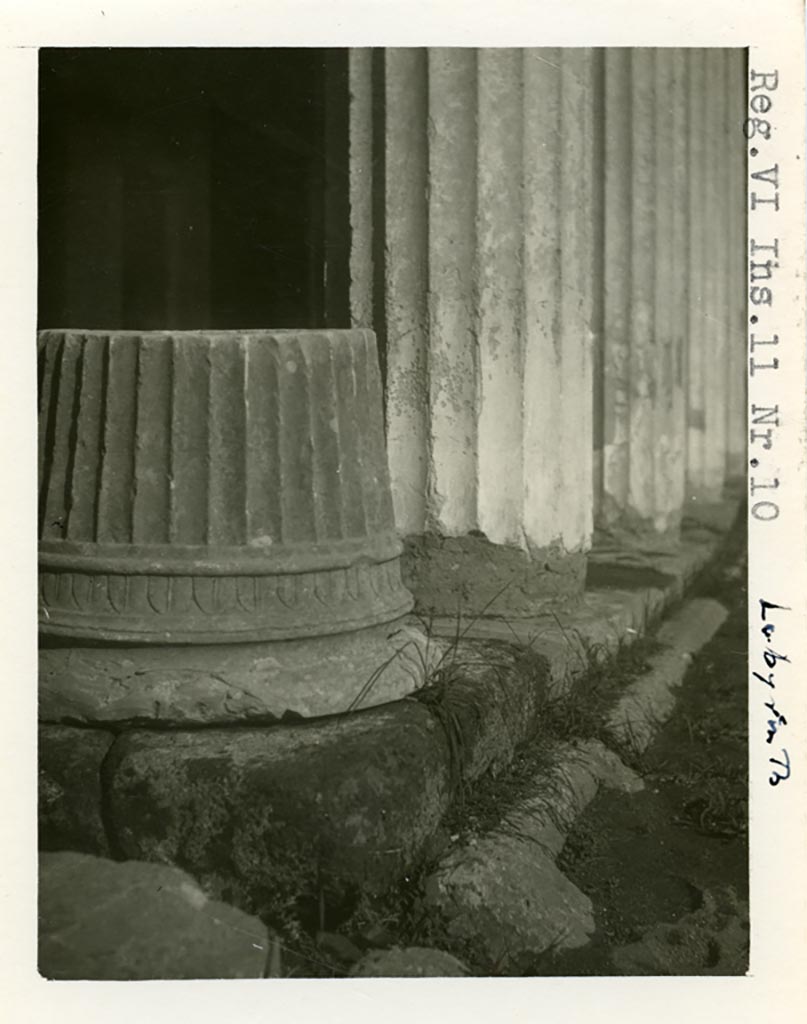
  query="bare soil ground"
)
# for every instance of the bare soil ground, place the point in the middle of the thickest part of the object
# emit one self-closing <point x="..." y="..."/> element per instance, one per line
<point x="651" y="857"/>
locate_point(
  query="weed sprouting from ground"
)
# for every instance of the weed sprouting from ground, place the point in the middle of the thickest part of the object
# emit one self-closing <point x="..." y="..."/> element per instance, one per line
<point x="581" y="712"/>
<point x="574" y="716"/>
<point x="453" y="694"/>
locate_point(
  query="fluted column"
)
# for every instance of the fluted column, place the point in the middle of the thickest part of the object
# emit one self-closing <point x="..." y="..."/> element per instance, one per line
<point x="404" y="280"/>
<point x="644" y="286"/>
<point x="642" y="361"/>
<point x="486" y="274"/>
<point x="716" y="343"/>
<point x="226" y="489"/>
<point x="617" y="220"/>
<point x="717" y="310"/>
<point x="736" y="240"/>
<point x="669" y="303"/>
<point x="213" y="487"/>
<point x="671" y="240"/>
<point x="697" y="335"/>
<point x="678" y="154"/>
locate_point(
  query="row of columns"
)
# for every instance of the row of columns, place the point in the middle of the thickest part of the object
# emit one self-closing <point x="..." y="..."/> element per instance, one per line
<point x="674" y="322"/>
<point x="673" y="351"/>
<point x="549" y="244"/>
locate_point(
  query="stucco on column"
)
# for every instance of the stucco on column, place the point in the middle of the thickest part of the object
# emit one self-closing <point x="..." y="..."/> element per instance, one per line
<point x="641" y="482"/>
<point x="616" y="285"/>
<point x="543" y="357"/>
<point x="679" y="244"/>
<point x="558" y="296"/>
<point x="668" y="461"/>
<point x="718" y="318"/>
<point x="643" y="334"/>
<point x="596" y="112"/>
<point x="697" y="308"/>
<point x="577" y="290"/>
<point x="406" y="309"/>
<point x="453" y="356"/>
<point x="499" y="295"/>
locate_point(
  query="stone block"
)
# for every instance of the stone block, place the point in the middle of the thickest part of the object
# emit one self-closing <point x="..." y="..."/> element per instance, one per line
<point x="105" y="921"/>
<point x="506" y="896"/>
<point x="69" y="789"/>
<point x="267" y="815"/>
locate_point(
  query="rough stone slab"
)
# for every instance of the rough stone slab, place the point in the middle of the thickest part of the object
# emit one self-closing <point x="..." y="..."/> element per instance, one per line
<point x="507" y="897"/>
<point x="343" y="803"/>
<point x="657" y="563"/>
<point x="490" y="695"/>
<point x="503" y="890"/>
<point x="713" y="516"/>
<point x="712" y="940"/>
<point x="100" y="920"/>
<point x="220" y="684"/>
<point x="69" y="788"/>
<point x="409" y="962"/>
<point x="693" y="625"/>
<point x="649" y="701"/>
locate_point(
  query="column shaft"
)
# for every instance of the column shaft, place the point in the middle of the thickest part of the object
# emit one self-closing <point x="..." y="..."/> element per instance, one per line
<point x="406" y="284"/>
<point x="488" y="249"/>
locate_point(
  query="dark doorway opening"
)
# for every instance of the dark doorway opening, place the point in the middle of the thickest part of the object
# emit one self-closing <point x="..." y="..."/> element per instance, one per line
<point x="192" y="188"/>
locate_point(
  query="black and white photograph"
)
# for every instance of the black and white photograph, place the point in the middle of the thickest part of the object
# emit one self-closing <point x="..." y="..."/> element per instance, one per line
<point x="403" y="414"/>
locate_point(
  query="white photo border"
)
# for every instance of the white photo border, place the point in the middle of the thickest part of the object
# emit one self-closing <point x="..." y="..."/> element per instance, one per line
<point x="775" y="988"/>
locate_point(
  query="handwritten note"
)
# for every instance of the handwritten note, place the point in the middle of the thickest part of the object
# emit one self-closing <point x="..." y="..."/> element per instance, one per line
<point x="769" y="613"/>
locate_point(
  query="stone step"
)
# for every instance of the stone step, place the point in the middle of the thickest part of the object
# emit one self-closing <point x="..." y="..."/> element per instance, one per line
<point x="648" y="702"/>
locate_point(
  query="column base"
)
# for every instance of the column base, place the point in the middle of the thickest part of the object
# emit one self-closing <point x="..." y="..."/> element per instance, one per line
<point x="714" y="512"/>
<point x="616" y="522"/>
<point x="631" y="554"/>
<point x="231" y="683"/>
<point x="469" y="576"/>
